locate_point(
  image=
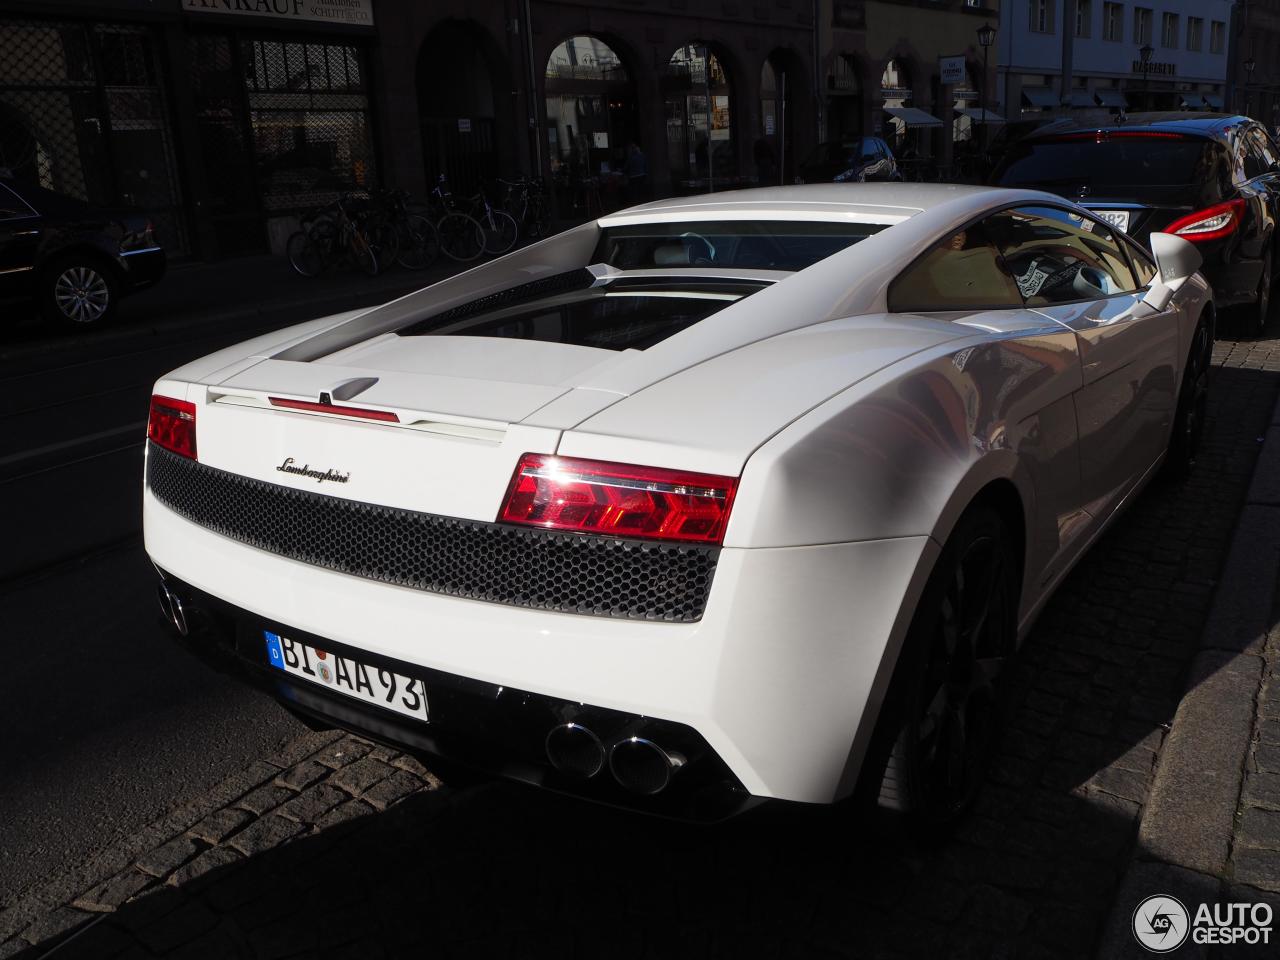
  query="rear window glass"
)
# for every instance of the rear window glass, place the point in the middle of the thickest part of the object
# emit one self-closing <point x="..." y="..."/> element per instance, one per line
<point x="753" y="244"/>
<point x="1070" y="166"/>
<point x="622" y="315"/>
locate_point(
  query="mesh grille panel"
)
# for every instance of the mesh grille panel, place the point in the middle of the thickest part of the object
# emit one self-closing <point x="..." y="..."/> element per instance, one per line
<point x="462" y="558"/>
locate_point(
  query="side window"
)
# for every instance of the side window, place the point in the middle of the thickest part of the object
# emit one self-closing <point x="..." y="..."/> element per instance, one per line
<point x="963" y="272"/>
<point x="1057" y="256"/>
<point x="1144" y="268"/>
<point x="1260" y="145"/>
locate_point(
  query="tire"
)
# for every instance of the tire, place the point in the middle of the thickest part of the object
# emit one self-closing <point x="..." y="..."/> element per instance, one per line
<point x="941" y="712"/>
<point x="461" y="237"/>
<point x="78" y="292"/>
<point x="362" y="253"/>
<point x="419" y="243"/>
<point x="500" y="232"/>
<point x="385" y="243"/>
<point x="305" y="255"/>
<point x="1261" y="310"/>
<point x="1193" y="396"/>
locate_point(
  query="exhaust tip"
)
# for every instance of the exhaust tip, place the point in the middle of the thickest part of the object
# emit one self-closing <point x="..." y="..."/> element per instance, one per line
<point x="642" y="766"/>
<point x="575" y="751"/>
<point x="172" y="609"/>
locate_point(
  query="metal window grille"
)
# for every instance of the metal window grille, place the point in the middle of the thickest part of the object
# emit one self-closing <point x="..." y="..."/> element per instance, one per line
<point x="309" y="116"/>
<point x="83" y="112"/>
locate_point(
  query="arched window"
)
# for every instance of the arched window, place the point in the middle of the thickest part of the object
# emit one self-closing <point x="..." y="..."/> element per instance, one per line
<point x="591" y="106"/>
<point x="696" y="94"/>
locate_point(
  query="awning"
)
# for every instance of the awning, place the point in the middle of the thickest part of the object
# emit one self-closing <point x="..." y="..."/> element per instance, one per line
<point x="979" y="115"/>
<point x="1212" y="100"/>
<point x="1042" y="97"/>
<point x="1081" y="98"/>
<point x="913" y="117"/>
<point x="1108" y="97"/>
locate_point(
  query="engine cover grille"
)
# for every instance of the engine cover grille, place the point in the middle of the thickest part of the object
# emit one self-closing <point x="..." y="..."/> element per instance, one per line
<point x="523" y="567"/>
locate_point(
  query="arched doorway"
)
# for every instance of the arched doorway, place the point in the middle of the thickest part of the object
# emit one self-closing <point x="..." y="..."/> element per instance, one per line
<point x="844" y="115"/>
<point x="697" y="99"/>
<point x="782" y="90"/>
<point x="591" y="108"/>
<point x="459" y="113"/>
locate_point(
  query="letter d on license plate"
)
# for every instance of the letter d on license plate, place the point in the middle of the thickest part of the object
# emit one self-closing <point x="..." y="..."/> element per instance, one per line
<point x="373" y="685"/>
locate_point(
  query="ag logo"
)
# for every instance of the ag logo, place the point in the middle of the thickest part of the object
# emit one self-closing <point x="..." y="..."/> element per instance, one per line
<point x="1161" y="923"/>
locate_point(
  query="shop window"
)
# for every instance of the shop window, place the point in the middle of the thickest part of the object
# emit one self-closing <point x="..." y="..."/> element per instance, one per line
<point x="697" y="105"/>
<point x="591" y="109"/>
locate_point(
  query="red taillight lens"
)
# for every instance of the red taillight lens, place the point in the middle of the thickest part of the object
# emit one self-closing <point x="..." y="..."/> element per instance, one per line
<point x="172" y="425"/>
<point x="618" y="499"/>
<point x="1211" y="223"/>
<point x="386" y="416"/>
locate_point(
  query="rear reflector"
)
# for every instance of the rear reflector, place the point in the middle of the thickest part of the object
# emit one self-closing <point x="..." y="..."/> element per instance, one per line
<point x="172" y="425"/>
<point x="385" y="416"/>
<point x="1211" y="223"/>
<point x="618" y="499"/>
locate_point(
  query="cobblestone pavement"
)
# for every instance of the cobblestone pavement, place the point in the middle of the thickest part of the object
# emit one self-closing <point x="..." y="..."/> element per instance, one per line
<point x="339" y="848"/>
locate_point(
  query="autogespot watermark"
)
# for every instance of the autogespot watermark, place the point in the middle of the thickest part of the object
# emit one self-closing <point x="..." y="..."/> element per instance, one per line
<point x="1162" y="924"/>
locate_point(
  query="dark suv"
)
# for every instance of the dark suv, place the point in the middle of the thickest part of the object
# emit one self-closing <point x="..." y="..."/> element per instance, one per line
<point x="1209" y="178"/>
<point x="859" y="160"/>
<point x="74" y="259"/>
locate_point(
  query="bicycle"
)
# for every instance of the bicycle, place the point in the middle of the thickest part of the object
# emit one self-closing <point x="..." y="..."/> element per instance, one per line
<point x="461" y="236"/>
<point x="525" y="199"/>
<point x="328" y="236"/>
<point x="414" y="237"/>
<point x="500" y="229"/>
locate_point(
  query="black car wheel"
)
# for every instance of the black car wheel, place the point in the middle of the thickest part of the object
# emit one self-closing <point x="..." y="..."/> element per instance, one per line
<point x="1193" y="402"/>
<point x="1262" y="308"/>
<point x="78" y="292"/>
<point x="941" y="710"/>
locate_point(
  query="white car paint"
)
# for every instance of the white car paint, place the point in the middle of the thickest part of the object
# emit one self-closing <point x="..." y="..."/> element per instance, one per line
<point x="860" y="437"/>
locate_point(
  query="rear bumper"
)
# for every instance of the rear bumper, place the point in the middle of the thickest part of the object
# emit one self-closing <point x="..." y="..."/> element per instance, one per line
<point x="781" y="678"/>
<point x="496" y="729"/>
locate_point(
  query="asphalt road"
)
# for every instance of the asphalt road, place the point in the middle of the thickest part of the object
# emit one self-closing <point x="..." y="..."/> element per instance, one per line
<point x="105" y="724"/>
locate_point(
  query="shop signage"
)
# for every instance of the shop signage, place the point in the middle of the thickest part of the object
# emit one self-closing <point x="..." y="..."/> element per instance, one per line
<point x="464" y="124"/>
<point x="951" y="70"/>
<point x="349" y="12"/>
<point x="1157" y="69"/>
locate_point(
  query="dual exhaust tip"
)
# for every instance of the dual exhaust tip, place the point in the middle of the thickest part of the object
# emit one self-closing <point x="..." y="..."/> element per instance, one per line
<point x="637" y="763"/>
<point x="172" y="609"/>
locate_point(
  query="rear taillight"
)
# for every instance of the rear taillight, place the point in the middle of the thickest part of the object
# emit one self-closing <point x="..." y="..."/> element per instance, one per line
<point x="618" y="499"/>
<point x="172" y="425"/>
<point x="1103" y="136"/>
<point x="1211" y="223"/>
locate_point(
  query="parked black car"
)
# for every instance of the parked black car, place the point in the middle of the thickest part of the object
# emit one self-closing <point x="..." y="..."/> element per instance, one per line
<point x="1212" y="179"/>
<point x="76" y="260"/>
<point x="858" y="160"/>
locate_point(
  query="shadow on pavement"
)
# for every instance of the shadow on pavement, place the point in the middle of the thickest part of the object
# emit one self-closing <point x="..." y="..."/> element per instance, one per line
<point x="1031" y="872"/>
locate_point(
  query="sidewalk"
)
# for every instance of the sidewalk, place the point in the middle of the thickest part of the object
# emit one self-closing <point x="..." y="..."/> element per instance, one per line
<point x="1211" y="830"/>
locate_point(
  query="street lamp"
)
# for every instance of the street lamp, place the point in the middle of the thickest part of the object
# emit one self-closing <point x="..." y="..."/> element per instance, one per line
<point x="1145" y="52"/>
<point x="1249" y="66"/>
<point x="986" y="37"/>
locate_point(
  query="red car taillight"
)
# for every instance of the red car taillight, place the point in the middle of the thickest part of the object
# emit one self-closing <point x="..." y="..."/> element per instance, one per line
<point x="172" y="425"/>
<point x="1211" y="223"/>
<point x="618" y="499"/>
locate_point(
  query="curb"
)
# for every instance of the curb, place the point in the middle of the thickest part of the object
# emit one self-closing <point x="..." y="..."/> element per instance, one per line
<point x="1188" y="825"/>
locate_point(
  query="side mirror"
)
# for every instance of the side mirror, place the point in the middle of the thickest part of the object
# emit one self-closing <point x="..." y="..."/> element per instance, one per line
<point x="1176" y="261"/>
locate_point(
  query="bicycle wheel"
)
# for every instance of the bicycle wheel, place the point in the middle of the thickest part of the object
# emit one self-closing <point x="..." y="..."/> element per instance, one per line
<point x="305" y="255"/>
<point x="419" y="243"/>
<point x="384" y="241"/>
<point x="461" y="237"/>
<point x="361" y="252"/>
<point x="499" y="232"/>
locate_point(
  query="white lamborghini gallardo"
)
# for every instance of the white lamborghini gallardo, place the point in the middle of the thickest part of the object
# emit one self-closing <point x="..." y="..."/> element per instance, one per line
<point x="731" y="497"/>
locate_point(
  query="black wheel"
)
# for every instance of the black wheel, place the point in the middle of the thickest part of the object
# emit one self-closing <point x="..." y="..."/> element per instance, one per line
<point x="419" y="243"/>
<point x="361" y="252"/>
<point x="78" y="292"/>
<point x="1193" y="402"/>
<point x="305" y="254"/>
<point x="384" y="240"/>
<point x="941" y="712"/>
<point x="1261" y="309"/>
<point x="461" y="237"/>
<point x="499" y="232"/>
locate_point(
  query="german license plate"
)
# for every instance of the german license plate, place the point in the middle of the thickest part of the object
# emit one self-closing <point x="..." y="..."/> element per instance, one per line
<point x="1117" y="218"/>
<point x="383" y="688"/>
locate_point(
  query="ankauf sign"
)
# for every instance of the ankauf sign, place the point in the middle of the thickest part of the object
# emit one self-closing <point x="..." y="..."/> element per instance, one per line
<point x="349" y="12"/>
